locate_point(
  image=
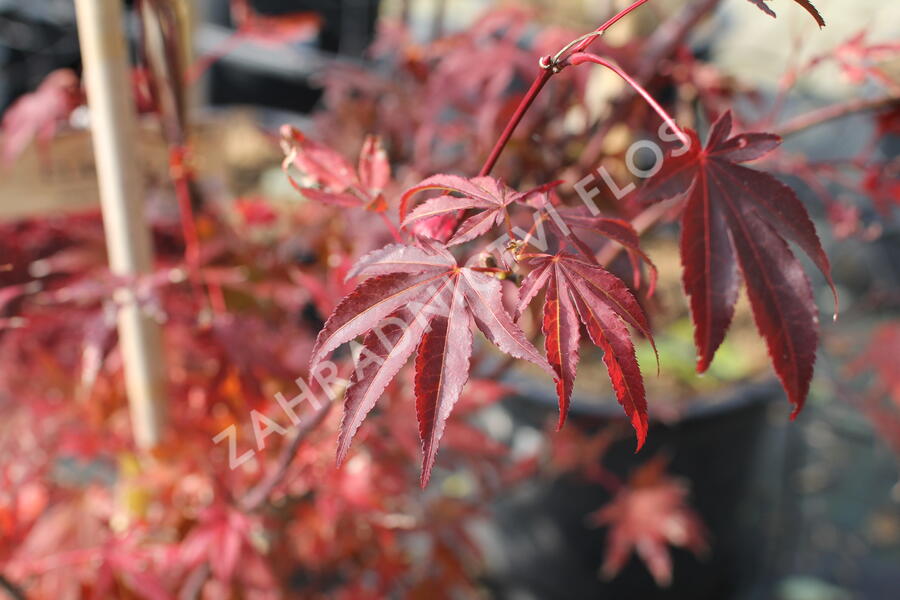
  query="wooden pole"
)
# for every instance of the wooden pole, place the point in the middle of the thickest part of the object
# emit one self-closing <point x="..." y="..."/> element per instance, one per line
<point x="110" y="99"/>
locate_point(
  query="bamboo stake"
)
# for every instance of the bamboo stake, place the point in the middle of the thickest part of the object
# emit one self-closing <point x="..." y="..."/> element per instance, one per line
<point x="106" y="76"/>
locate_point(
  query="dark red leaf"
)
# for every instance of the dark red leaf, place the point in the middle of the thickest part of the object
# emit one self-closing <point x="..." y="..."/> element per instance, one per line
<point x="484" y="297"/>
<point x="562" y="334"/>
<point x="383" y="354"/>
<point x="532" y="285"/>
<point x="580" y="291"/>
<point x="610" y="334"/>
<point x="782" y="301"/>
<point x="710" y="274"/>
<point x="442" y="369"/>
<point x="734" y="217"/>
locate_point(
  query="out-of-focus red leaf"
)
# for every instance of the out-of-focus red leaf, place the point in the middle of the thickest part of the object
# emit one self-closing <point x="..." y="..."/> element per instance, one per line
<point x="861" y="60"/>
<point x="222" y="538"/>
<point x="40" y="114"/>
<point x="274" y="29"/>
<point x="374" y="168"/>
<point x="882" y="186"/>
<point x="889" y="122"/>
<point x="329" y="178"/>
<point x="255" y="211"/>
<point x="650" y="513"/>
<point x="882" y="357"/>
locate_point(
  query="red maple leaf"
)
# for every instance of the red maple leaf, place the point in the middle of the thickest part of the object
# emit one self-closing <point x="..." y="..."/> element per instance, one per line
<point x="487" y="195"/>
<point x="650" y="513"/>
<point x="735" y="222"/>
<point x="330" y="179"/>
<point x="417" y="300"/>
<point x="583" y="292"/>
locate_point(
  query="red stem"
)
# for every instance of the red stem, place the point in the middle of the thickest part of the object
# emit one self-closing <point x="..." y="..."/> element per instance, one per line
<point x="659" y="46"/>
<point x="539" y="83"/>
<point x="583" y="57"/>
<point x="836" y="111"/>
<point x="532" y="93"/>
<point x="188" y="224"/>
<point x="394" y="231"/>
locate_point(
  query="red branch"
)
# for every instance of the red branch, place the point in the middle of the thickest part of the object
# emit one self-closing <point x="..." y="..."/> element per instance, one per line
<point x="836" y="111"/>
<point x="549" y="67"/>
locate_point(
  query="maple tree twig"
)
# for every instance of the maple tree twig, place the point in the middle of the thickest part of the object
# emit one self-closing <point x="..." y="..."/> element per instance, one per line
<point x="549" y="67"/>
<point x="182" y="177"/>
<point x="258" y="495"/>
<point x="836" y="111"/>
<point x="539" y="82"/>
<point x="659" y="46"/>
<point x="583" y="57"/>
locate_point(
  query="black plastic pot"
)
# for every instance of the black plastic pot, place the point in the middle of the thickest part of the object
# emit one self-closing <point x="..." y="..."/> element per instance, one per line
<point x="544" y="548"/>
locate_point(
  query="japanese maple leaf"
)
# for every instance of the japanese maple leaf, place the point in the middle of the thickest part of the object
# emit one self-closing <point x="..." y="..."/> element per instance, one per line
<point x="417" y="300"/>
<point x="40" y="114"/>
<point x="330" y="179"/>
<point x="486" y="195"/>
<point x="736" y="221"/>
<point x="806" y="4"/>
<point x="582" y="292"/>
<point x="648" y="514"/>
